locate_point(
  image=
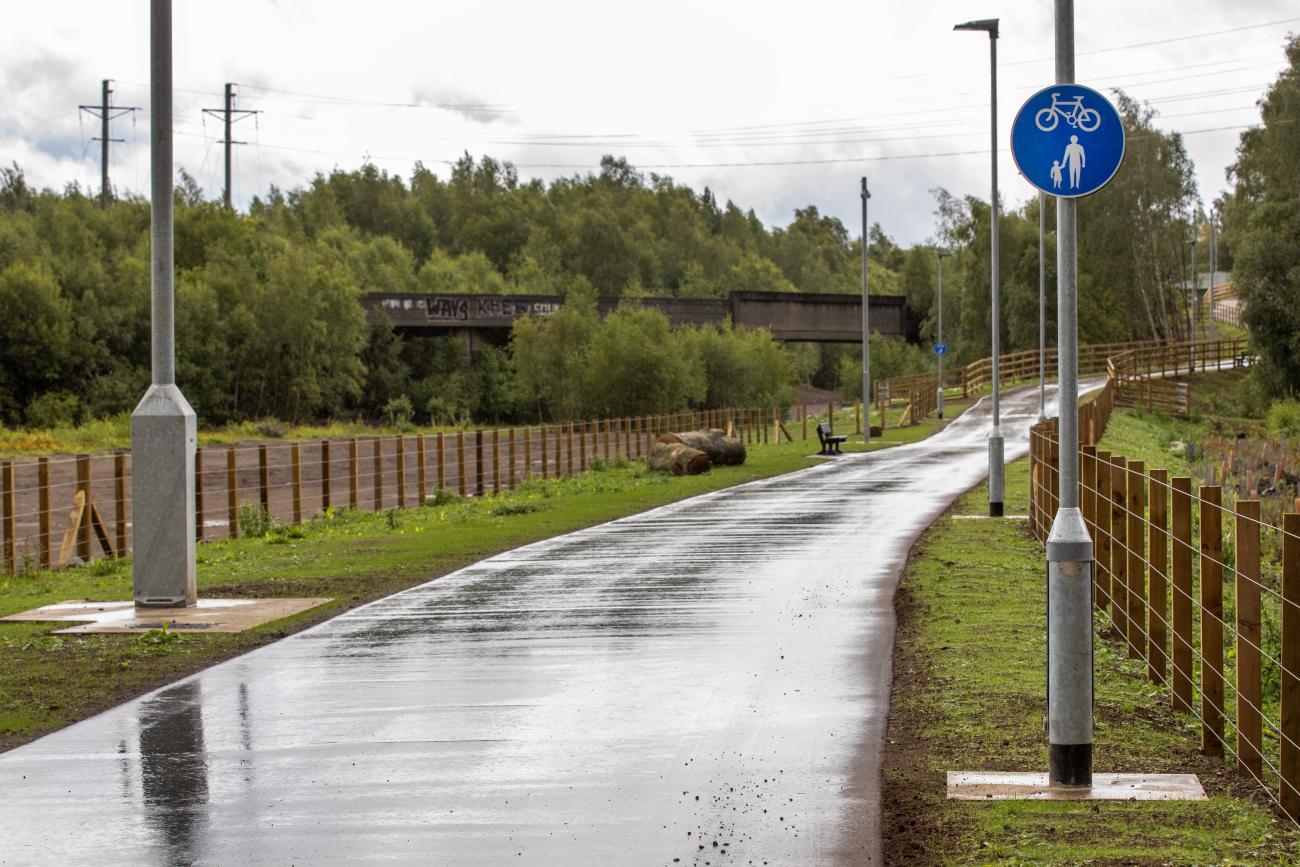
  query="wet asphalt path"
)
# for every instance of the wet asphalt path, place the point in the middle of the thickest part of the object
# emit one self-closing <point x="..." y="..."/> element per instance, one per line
<point x="705" y="683"/>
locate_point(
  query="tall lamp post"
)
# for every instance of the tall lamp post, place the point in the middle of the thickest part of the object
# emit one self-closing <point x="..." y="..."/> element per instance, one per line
<point x="163" y="426"/>
<point x="940" y="255"/>
<point x="1214" y="263"/>
<point x="866" y="331"/>
<point x="990" y="26"/>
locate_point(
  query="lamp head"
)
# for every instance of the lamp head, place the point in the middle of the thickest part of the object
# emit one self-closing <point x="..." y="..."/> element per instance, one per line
<point x="943" y="254"/>
<point x="988" y="25"/>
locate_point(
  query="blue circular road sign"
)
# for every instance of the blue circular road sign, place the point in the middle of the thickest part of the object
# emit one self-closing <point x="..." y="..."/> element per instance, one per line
<point x="940" y="348"/>
<point x="1067" y="140"/>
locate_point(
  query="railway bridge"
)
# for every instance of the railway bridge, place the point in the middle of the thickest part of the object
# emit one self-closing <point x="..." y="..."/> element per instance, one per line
<point x="789" y="316"/>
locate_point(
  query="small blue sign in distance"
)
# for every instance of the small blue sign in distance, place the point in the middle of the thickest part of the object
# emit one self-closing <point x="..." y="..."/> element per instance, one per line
<point x="940" y="349"/>
<point x="1067" y="140"/>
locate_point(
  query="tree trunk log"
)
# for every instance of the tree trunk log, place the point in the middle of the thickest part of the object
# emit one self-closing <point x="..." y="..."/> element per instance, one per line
<point x="722" y="450"/>
<point x="678" y="459"/>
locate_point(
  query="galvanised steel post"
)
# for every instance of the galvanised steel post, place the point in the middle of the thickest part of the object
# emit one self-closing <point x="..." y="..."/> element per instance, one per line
<point x="1042" y="306"/>
<point x="940" y="255"/>
<point x="1214" y="263"/>
<point x="1069" y="547"/>
<point x="996" y="468"/>
<point x="866" y="332"/>
<point x="163" y="426"/>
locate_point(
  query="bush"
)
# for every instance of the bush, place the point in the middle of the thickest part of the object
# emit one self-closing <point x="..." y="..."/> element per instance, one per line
<point x="53" y="409"/>
<point x="1283" y="417"/>
<point x="254" y="521"/>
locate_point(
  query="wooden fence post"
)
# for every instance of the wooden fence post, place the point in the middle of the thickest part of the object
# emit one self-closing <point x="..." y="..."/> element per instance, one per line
<point x="1250" y="753"/>
<point x="84" y="551"/>
<point x="43" y="509"/>
<point x="1105" y="584"/>
<point x="496" y="460"/>
<point x="1119" y="545"/>
<point x="119" y="475"/>
<point x="325" y="501"/>
<point x="627" y="437"/>
<point x="541" y="441"/>
<point x="1211" y="621"/>
<point x="401" y="471"/>
<point x="354" y="473"/>
<point x="422" y="468"/>
<point x="264" y="478"/>
<point x="479" y="487"/>
<point x="378" y="462"/>
<point x="569" y="452"/>
<point x="528" y="453"/>
<point x="442" y="461"/>
<point x="462" y="483"/>
<point x="1158" y="580"/>
<point x="1290" y="735"/>
<point x="232" y="492"/>
<point x="7" y="518"/>
<point x="1137" y="597"/>
<point x="582" y="449"/>
<point x="119" y="499"/>
<point x="296" y="458"/>
<point x="512" y="457"/>
<point x="1181" y="600"/>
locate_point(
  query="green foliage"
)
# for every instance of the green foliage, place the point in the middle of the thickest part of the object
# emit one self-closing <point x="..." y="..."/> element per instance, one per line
<point x="890" y="356"/>
<point x="1283" y="417"/>
<point x="254" y="521"/>
<point x="1262" y="229"/>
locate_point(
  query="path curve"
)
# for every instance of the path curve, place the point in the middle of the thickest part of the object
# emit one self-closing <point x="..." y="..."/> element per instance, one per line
<point x="707" y="682"/>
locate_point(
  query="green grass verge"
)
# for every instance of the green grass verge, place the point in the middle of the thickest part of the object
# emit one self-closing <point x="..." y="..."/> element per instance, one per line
<point x="49" y="681"/>
<point x="969" y="695"/>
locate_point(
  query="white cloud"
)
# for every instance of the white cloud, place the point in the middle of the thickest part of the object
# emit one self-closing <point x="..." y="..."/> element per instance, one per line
<point x="691" y="88"/>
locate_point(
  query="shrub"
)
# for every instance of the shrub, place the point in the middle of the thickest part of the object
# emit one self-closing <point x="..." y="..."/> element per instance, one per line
<point x="1283" y="417"/>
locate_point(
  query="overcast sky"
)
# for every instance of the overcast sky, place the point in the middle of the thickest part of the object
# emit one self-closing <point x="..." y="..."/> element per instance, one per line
<point x="773" y="105"/>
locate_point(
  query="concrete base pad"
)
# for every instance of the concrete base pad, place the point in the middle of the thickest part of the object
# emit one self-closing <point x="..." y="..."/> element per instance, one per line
<point x="210" y="615"/>
<point x="1013" y="786"/>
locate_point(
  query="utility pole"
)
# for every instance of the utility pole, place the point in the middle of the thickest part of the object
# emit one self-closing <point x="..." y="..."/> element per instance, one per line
<point x="229" y="115"/>
<point x="940" y="255"/>
<point x="107" y="113"/>
<point x="1069" y="547"/>
<point x="866" y="330"/>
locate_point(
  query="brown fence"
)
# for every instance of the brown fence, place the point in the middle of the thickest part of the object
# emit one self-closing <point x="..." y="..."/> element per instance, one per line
<point x="1164" y="553"/>
<point x="68" y="508"/>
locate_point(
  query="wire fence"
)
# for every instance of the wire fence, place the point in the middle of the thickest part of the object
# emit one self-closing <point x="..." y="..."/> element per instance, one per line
<point x="1201" y="588"/>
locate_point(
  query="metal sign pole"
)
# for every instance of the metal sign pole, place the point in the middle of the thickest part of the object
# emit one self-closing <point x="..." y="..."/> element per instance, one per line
<point x="1042" y="306"/>
<point x="1069" y="547"/>
<point x="163" y="426"/>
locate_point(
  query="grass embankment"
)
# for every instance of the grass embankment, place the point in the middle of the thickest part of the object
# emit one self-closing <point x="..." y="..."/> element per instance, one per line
<point x="49" y="681"/>
<point x="969" y="695"/>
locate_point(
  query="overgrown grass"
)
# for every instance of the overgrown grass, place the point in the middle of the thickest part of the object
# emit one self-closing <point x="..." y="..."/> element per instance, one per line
<point x="969" y="695"/>
<point x="49" y="681"/>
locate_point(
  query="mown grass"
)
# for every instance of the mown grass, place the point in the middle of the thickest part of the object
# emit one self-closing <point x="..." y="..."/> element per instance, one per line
<point x="49" y="681"/>
<point x="969" y="695"/>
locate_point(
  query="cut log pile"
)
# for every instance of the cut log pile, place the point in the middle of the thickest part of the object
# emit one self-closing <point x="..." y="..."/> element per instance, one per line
<point x="678" y="459"/>
<point x="721" y="449"/>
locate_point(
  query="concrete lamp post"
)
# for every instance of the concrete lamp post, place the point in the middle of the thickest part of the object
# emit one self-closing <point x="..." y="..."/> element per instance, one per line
<point x="163" y="426"/>
<point x="996" y="468"/>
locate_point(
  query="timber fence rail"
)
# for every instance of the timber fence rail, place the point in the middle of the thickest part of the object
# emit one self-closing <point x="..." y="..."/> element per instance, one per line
<point x="59" y="510"/>
<point x="1165" y="552"/>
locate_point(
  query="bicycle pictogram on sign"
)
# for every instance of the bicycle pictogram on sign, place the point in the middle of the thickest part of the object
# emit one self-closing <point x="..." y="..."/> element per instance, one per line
<point x="1086" y="119"/>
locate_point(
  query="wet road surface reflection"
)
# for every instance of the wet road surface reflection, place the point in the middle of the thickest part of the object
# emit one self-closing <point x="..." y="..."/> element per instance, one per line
<point x="706" y="682"/>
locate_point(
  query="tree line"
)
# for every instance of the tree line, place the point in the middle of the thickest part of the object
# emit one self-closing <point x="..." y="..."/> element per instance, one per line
<point x="269" y="321"/>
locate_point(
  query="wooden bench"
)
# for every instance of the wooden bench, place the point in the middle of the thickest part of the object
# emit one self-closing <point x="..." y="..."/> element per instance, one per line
<point x="830" y="442"/>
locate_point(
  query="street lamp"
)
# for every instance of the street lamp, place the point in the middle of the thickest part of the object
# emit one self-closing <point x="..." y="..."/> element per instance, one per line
<point x="990" y="26"/>
<point x="940" y="255"/>
<point x="866" y="332"/>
